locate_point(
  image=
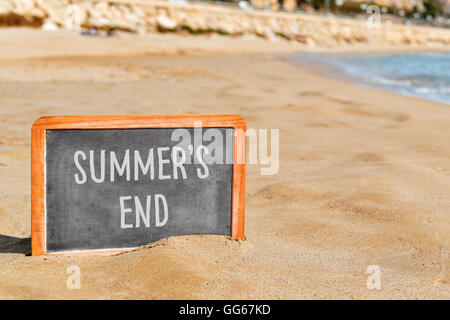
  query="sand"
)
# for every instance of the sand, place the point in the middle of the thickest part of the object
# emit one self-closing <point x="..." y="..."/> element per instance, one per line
<point x="364" y="174"/>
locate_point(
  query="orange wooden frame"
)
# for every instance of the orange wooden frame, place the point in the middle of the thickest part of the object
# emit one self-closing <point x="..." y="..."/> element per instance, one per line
<point x="38" y="196"/>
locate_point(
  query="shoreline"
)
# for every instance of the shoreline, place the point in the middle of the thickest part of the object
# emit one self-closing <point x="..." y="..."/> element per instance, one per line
<point x="196" y="45"/>
<point x="329" y="64"/>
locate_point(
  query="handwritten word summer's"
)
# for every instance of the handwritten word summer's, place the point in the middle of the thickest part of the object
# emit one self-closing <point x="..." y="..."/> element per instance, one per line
<point x="162" y="163"/>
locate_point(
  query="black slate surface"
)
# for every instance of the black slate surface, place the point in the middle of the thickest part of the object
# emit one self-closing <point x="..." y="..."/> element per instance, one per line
<point x="87" y="216"/>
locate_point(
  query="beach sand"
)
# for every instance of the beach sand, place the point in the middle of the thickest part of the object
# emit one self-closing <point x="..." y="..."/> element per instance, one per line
<point x="364" y="174"/>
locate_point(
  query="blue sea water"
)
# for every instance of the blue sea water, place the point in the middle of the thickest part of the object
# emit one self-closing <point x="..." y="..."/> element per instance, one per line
<point x="424" y="75"/>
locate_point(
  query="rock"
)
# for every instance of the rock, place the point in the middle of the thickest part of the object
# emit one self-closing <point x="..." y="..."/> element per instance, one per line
<point x="35" y="13"/>
<point x="165" y="23"/>
<point x="257" y="28"/>
<point x="20" y="13"/>
<point x="310" y="42"/>
<point x="212" y="23"/>
<point x="294" y="27"/>
<point x="75" y="17"/>
<point x="99" y="10"/>
<point x="133" y="19"/>
<point x="138" y="12"/>
<point x="245" y="25"/>
<point x="193" y="23"/>
<point x="101" y="22"/>
<point x="269" y="34"/>
<point x="115" y="12"/>
<point x="49" y="26"/>
<point x="274" y="25"/>
<point x="200" y="22"/>
<point x="54" y="10"/>
<point x="6" y="7"/>
<point x="28" y="7"/>
<point x="226" y="26"/>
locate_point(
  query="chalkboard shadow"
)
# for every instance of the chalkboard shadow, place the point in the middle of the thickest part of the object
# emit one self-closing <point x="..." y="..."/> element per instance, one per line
<point x="10" y="244"/>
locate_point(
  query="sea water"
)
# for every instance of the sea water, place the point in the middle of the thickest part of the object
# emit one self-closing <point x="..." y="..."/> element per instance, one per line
<point x="424" y="75"/>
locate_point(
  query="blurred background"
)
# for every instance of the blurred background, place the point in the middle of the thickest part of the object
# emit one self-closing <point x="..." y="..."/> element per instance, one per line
<point x="422" y="12"/>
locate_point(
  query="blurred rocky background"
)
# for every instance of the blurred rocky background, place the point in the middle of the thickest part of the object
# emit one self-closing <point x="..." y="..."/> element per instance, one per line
<point x="321" y="23"/>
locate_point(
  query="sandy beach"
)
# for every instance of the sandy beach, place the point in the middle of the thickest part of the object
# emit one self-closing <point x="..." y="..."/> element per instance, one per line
<point x="364" y="174"/>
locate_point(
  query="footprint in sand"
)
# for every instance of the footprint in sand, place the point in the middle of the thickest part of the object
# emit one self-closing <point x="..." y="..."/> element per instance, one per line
<point x="368" y="157"/>
<point x="287" y="192"/>
<point x="328" y="97"/>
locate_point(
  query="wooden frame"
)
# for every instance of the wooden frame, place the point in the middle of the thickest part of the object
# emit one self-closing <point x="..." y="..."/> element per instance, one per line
<point x="38" y="147"/>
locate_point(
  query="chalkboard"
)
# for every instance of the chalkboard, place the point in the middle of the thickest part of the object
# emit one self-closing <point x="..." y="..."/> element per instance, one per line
<point x="101" y="185"/>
